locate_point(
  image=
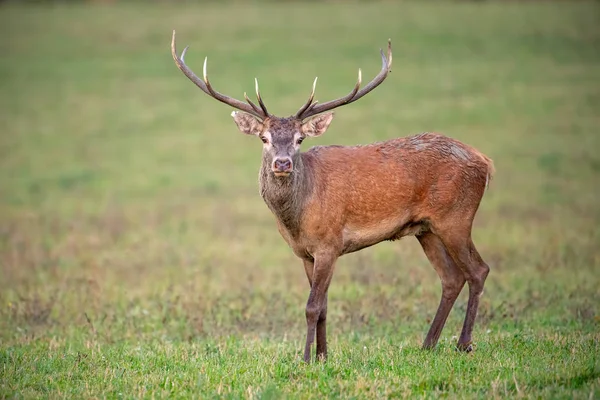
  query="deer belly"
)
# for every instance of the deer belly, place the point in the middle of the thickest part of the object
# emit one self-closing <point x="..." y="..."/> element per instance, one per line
<point x="359" y="237"/>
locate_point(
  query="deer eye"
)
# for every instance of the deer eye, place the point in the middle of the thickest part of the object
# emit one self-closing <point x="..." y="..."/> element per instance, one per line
<point x="264" y="140"/>
<point x="299" y="141"/>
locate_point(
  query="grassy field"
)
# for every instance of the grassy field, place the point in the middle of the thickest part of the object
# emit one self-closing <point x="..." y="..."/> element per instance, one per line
<point x="138" y="259"/>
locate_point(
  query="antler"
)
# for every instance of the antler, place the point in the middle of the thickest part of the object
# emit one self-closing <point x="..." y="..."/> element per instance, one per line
<point x="206" y="87"/>
<point x="311" y="108"/>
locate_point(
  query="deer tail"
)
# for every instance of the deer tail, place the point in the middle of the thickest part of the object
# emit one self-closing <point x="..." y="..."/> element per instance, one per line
<point x="491" y="170"/>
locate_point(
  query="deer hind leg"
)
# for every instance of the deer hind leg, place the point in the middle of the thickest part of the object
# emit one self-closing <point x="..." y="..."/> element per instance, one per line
<point x="453" y="280"/>
<point x="316" y="306"/>
<point x="462" y="250"/>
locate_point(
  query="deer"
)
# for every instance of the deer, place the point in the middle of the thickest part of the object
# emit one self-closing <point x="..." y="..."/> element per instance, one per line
<point x="333" y="200"/>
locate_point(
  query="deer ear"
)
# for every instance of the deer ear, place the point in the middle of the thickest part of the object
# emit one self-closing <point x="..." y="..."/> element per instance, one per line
<point x="316" y="126"/>
<point x="248" y="124"/>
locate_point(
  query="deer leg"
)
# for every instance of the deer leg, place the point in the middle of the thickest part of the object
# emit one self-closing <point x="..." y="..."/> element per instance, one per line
<point x="316" y="306"/>
<point x="464" y="253"/>
<point x="309" y="267"/>
<point x="322" y="333"/>
<point x="452" y="278"/>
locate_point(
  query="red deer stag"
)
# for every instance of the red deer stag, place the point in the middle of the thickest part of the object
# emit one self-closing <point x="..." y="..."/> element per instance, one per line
<point x="334" y="200"/>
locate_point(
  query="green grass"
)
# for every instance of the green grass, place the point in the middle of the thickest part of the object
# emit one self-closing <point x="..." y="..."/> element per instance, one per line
<point x="138" y="260"/>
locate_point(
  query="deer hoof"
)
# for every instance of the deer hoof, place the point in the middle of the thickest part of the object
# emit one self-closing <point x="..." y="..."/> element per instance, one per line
<point x="465" y="347"/>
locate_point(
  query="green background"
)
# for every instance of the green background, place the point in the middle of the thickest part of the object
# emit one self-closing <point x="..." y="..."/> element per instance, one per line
<point x="138" y="259"/>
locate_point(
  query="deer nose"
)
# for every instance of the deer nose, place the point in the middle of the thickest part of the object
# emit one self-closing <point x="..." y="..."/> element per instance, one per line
<point x="282" y="165"/>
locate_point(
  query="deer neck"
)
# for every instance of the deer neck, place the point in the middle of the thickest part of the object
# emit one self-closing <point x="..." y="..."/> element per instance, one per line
<point x="286" y="196"/>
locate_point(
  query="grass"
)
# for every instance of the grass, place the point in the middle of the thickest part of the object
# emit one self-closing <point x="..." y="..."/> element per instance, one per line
<point x="138" y="260"/>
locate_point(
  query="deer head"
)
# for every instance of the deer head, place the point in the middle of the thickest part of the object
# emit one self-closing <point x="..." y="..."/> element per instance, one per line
<point x="282" y="137"/>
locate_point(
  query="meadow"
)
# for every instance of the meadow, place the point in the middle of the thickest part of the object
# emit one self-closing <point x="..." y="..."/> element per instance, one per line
<point x="137" y="259"/>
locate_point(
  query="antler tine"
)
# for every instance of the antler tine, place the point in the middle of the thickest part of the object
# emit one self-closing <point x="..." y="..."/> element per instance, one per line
<point x="254" y="106"/>
<point x="260" y="102"/>
<point x="205" y="76"/>
<point x="389" y="52"/>
<point x="312" y="106"/>
<point x="355" y="94"/>
<point x="310" y="99"/>
<point x="206" y="87"/>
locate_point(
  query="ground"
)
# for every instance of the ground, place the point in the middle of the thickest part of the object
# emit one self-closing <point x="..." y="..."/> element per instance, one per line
<point x="138" y="260"/>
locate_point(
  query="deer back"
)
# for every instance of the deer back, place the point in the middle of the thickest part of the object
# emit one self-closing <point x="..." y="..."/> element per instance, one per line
<point x="361" y="195"/>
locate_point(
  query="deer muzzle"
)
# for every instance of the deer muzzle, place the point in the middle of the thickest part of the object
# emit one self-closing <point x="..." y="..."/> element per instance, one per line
<point x="282" y="166"/>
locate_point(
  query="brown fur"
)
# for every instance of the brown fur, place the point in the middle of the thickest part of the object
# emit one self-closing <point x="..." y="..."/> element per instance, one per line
<point x="348" y="198"/>
<point x="341" y="199"/>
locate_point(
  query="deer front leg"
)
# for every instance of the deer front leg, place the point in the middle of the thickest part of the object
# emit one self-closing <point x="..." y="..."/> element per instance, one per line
<point x="309" y="267"/>
<point x="322" y="333"/>
<point x="316" y="306"/>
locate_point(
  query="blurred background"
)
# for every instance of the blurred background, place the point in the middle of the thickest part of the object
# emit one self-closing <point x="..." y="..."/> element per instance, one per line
<point x="128" y="196"/>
